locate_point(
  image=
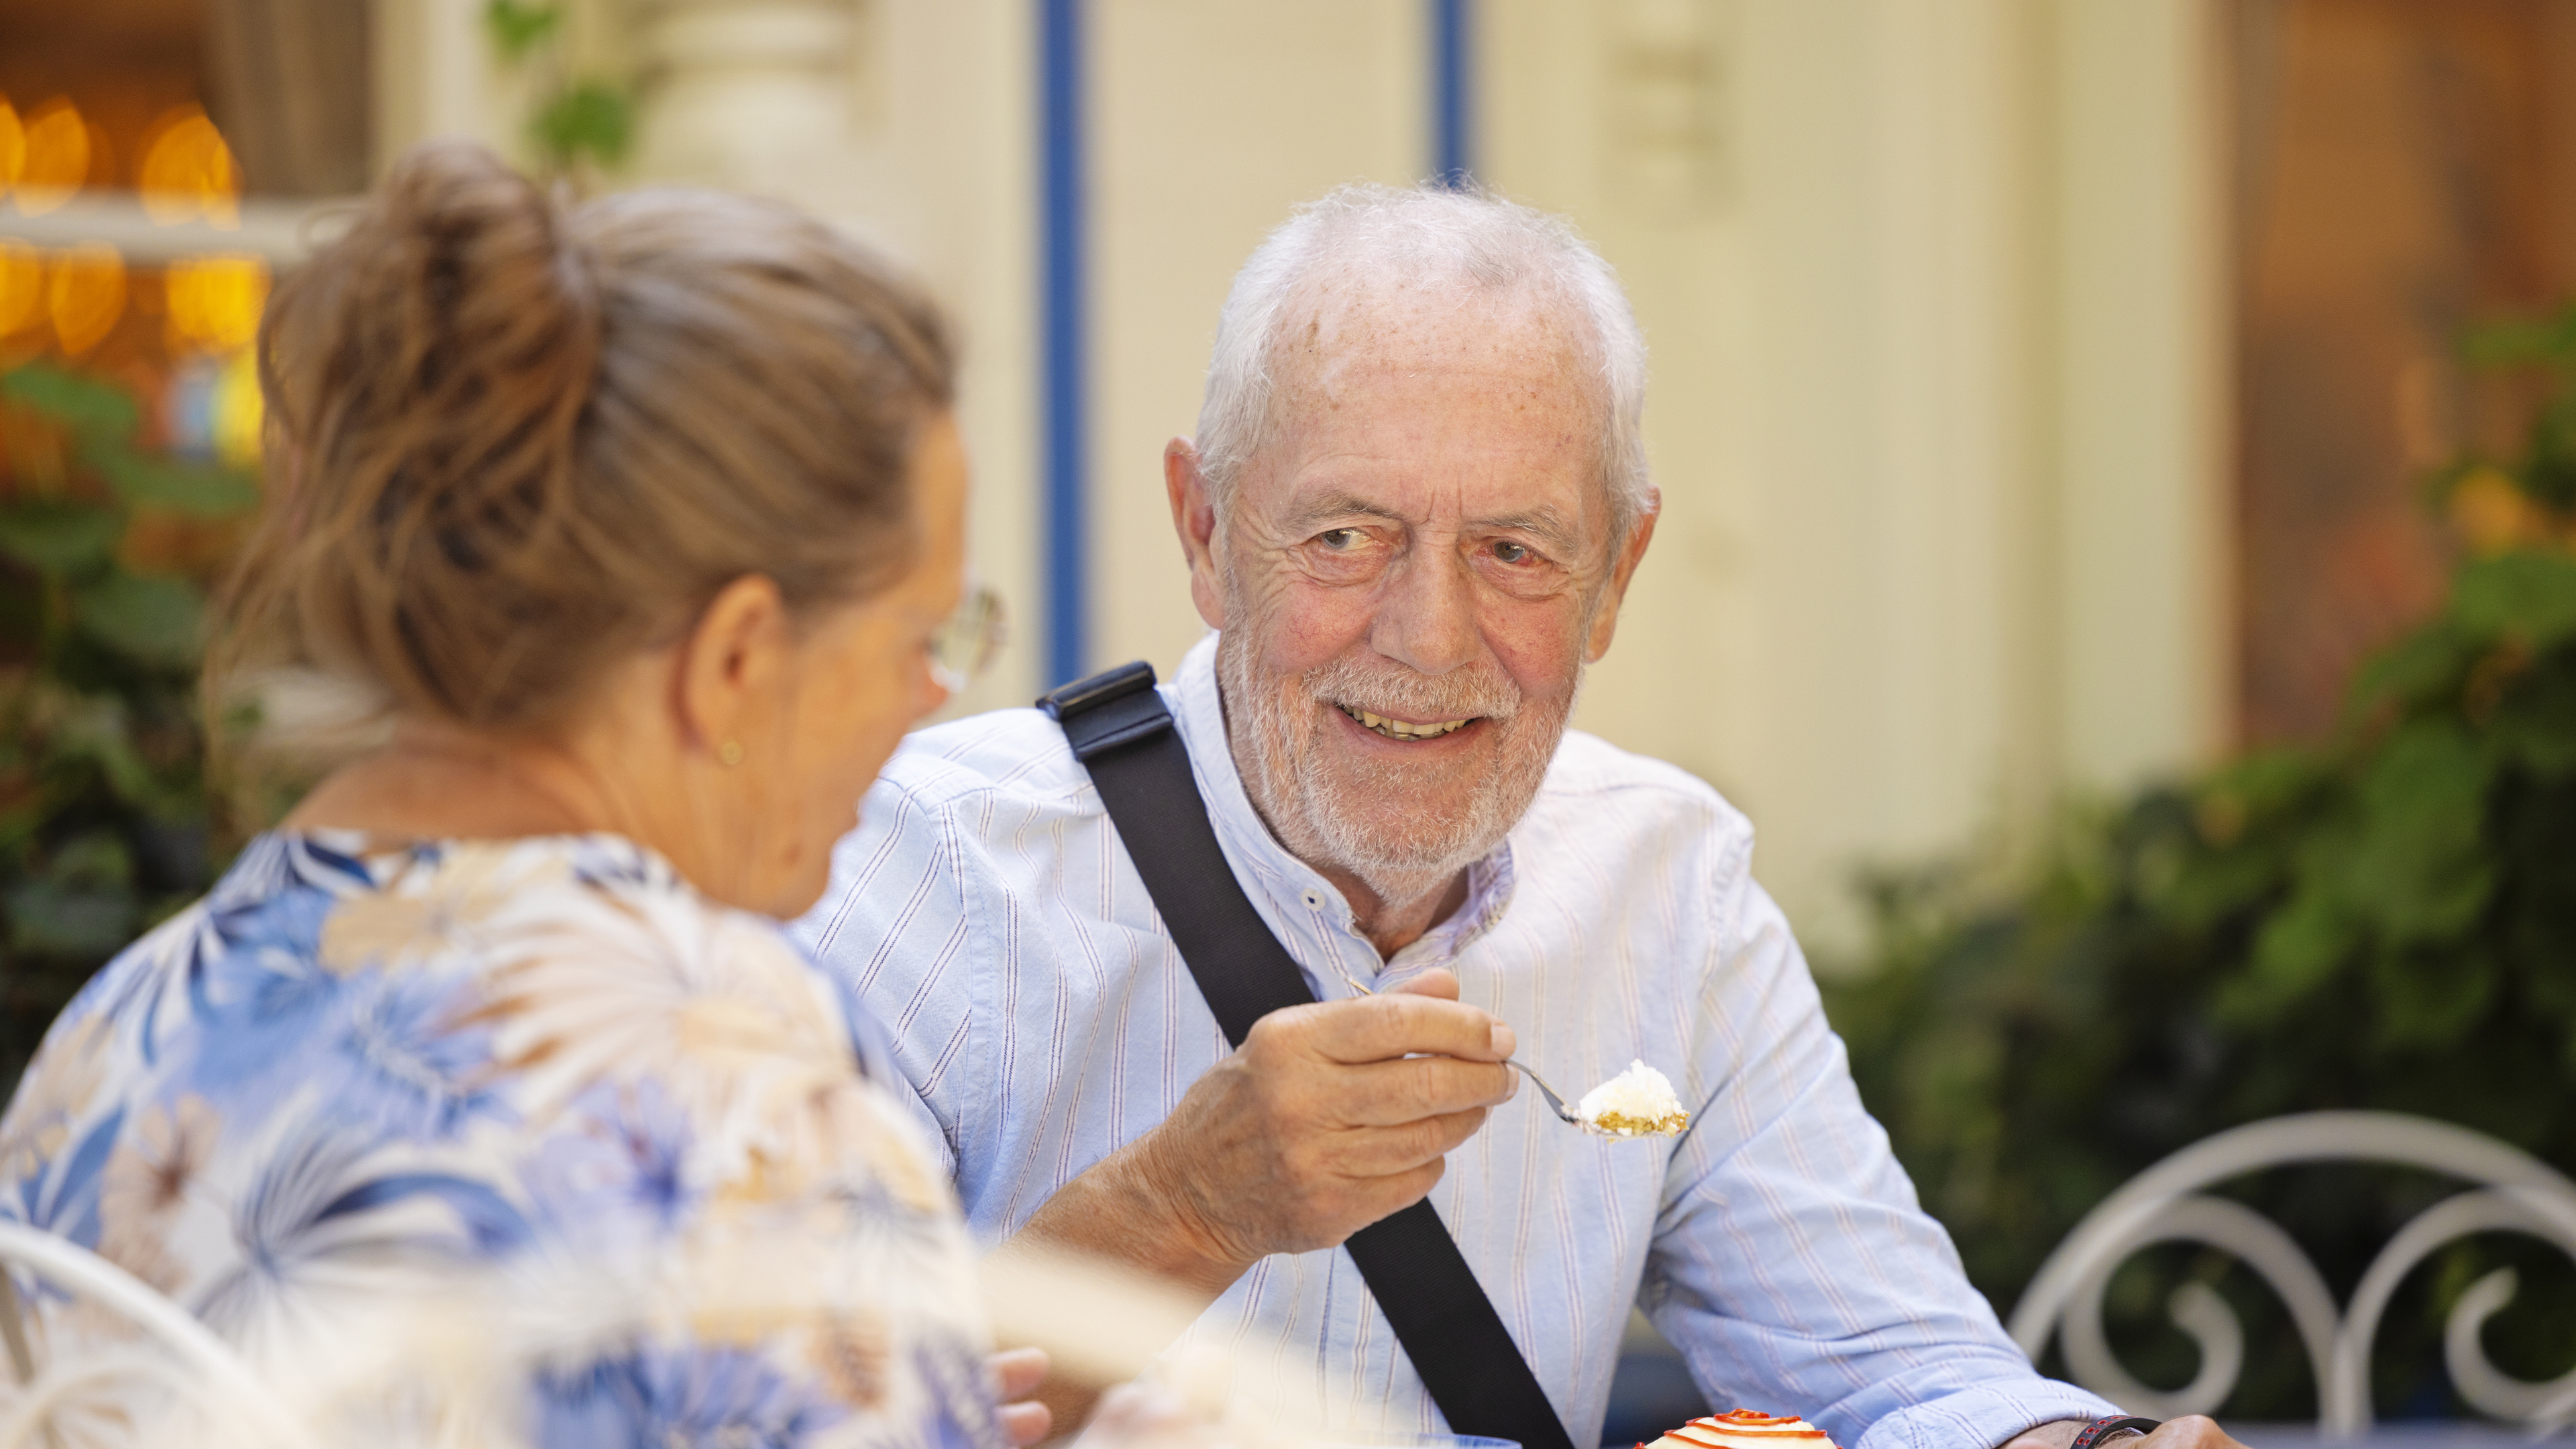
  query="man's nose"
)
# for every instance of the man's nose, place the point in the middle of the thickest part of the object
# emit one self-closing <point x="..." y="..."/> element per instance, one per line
<point x="1426" y="618"/>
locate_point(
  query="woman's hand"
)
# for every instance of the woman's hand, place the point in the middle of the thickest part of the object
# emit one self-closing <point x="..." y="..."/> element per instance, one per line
<point x="1017" y="1372"/>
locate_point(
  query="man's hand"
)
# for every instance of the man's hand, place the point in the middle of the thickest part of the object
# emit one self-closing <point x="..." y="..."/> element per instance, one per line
<point x="2198" y="1431"/>
<point x="1329" y="1118"/>
<point x="1325" y="1122"/>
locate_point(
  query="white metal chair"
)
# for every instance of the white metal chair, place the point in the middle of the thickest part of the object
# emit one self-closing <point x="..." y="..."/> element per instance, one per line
<point x="181" y="1362"/>
<point x="2513" y="1191"/>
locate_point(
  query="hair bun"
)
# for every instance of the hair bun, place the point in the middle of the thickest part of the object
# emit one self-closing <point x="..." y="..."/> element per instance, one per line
<point x="470" y="313"/>
<point x="524" y="435"/>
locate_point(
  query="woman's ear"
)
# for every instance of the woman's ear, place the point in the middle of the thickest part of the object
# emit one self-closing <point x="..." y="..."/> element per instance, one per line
<point x="738" y="654"/>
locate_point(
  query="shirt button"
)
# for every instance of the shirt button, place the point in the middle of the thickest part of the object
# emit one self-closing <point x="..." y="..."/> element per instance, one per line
<point x="1314" y="900"/>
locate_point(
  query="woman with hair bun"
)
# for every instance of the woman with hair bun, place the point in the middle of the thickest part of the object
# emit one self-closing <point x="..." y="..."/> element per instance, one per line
<point x="642" y="519"/>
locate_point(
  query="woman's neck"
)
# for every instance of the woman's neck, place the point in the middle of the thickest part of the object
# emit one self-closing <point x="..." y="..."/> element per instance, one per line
<point x="436" y="782"/>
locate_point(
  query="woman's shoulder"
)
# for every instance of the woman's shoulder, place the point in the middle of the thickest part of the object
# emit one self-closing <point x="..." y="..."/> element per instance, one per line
<point x="442" y="1053"/>
<point x="586" y="961"/>
<point x="599" y="962"/>
<point x="459" y="1000"/>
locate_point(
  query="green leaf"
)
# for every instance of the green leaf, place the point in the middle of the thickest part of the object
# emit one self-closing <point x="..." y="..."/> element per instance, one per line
<point x="149" y="617"/>
<point x="2534" y="725"/>
<point x="2430" y="1002"/>
<point x="2425" y="665"/>
<point x="2548" y="472"/>
<point x="60" y="538"/>
<point x="2297" y="951"/>
<point x="97" y="410"/>
<point x="93" y="857"/>
<point x="517" y="29"/>
<point x="55" y="919"/>
<point x="193" y="489"/>
<point x="594" y="119"/>
<point x="2548" y="341"/>
<point x="2531" y="596"/>
<point x="2420" y="870"/>
<point x="99" y="729"/>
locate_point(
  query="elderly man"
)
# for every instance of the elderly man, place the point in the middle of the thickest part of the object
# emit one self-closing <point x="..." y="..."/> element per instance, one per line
<point x="1416" y="499"/>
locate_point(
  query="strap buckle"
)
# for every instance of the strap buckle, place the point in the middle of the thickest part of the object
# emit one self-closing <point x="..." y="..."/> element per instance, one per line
<point x="1112" y="708"/>
<point x="1084" y="695"/>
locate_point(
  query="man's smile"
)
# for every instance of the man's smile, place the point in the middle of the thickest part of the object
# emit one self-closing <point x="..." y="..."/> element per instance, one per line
<point x="1402" y="729"/>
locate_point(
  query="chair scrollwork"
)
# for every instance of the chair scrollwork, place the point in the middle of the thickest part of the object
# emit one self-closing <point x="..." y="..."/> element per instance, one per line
<point x="2513" y="1192"/>
<point x="178" y="1360"/>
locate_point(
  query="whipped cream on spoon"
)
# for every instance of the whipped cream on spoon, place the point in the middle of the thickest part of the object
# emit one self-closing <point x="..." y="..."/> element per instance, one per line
<point x="1638" y="1102"/>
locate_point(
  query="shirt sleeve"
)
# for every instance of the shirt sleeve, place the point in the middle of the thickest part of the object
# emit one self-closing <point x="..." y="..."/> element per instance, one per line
<point x="891" y="931"/>
<point x="1792" y="1265"/>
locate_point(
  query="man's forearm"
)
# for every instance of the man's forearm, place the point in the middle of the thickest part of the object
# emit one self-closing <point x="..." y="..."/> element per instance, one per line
<point x="1123" y="1213"/>
<point x="1130" y="1211"/>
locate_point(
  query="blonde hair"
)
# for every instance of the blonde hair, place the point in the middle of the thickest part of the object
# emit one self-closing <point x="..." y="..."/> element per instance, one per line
<point x="513" y="439"/>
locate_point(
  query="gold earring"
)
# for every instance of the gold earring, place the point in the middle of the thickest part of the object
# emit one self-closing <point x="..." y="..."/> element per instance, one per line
<point x="729" y="754"/>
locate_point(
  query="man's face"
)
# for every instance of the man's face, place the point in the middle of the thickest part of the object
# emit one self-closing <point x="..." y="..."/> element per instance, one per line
<point x="1410" y="579"/>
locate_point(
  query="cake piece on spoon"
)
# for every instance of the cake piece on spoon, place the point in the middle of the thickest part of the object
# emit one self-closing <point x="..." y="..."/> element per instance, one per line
<point x="1638" y="1102"/>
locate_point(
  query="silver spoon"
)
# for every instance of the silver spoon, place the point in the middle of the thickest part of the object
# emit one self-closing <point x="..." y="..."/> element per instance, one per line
<point x="1555" y="1103"/>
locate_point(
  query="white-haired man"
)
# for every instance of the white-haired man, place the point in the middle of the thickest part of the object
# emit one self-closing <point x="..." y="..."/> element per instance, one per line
<point x="1415" y="501"/>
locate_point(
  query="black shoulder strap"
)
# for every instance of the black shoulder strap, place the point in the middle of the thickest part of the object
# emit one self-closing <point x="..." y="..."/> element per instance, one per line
<point x="1123" y="734"/>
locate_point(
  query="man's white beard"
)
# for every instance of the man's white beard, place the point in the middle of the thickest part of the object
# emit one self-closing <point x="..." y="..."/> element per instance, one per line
<point x="1319" y="807"/>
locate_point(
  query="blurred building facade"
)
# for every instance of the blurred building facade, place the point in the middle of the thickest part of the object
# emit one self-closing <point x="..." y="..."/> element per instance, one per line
<point x="1936" y="291"/>
<point x="1936" y="298"/>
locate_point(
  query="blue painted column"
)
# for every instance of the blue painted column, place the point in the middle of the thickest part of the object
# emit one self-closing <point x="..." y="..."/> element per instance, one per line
<point x="1064" y="342"/>
<point x="1453" y="98"/>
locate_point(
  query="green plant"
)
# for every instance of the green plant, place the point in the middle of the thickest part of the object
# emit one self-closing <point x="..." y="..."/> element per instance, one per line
<point x="574" y="120"/>
<point x="104" y="823"/>
<point x="2383" y="920"/>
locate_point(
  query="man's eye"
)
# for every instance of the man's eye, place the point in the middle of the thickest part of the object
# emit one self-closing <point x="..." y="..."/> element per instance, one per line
<point x="1338" y="539"/>
<point x="1512" y="553"/>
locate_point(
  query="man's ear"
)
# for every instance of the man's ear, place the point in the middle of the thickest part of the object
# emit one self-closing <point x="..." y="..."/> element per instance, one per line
<point x="1605" y="620"/>
<point x="1194" y="519"/>
<point x="740" y="648"/>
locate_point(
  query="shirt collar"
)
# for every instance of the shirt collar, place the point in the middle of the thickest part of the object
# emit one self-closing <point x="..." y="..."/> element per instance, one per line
<point x="1294" y="886"/>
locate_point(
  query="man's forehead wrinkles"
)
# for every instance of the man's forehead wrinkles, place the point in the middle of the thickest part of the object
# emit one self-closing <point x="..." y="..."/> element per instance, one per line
<point x="1528" y="371"/>
<point x="1336" y="503"/>
<point x="1350" y="333"/>
<point x="1543" y="520"/>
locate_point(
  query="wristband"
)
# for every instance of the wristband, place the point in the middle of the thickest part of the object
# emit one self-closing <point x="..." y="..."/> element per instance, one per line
<point x="2101" y="1430"/>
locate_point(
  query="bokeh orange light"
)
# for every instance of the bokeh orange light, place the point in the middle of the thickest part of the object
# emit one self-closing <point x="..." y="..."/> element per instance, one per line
<point x="58" y="151"/>
<point x="22" y="288"/>
<point x="86" y="294"/>
<point x="188" y="171"/>
<point x="13" y="145"/>
<point x="239" y="412"/>
<point x="215" y="302"/>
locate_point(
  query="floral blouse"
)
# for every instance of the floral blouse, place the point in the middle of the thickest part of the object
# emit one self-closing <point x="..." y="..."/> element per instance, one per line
<point x="528" y="1128"/>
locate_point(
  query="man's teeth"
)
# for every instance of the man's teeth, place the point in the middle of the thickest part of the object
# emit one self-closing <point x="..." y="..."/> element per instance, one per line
<point x="1396" y="729"/>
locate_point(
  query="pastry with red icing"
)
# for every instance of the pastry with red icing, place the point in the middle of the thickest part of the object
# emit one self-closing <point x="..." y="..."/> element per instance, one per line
<point x="1744" y="1429"/>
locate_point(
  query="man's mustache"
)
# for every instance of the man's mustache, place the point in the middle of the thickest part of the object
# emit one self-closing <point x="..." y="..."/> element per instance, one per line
<point x="1459" y="694"/>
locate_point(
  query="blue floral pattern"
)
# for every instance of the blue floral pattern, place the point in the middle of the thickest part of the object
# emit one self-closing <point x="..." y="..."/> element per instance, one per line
<point x="633" y="1137"/>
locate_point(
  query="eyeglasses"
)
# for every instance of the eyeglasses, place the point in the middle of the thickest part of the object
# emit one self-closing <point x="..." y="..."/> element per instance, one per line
<point x="966" y="645"/>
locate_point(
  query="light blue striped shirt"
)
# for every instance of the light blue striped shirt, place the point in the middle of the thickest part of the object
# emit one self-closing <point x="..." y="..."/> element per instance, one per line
<point x="987" y="912"/>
